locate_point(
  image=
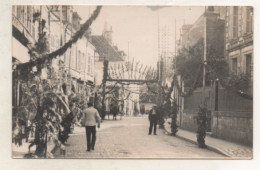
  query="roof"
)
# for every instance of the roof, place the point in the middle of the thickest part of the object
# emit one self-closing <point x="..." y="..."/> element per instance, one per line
<point x="186" y="26"/>
<point x="104" y="49"/>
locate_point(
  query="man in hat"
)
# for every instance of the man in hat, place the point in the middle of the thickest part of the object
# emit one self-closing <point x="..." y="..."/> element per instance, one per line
<point x="153" y="118"/>
<point x="89" y="119"/>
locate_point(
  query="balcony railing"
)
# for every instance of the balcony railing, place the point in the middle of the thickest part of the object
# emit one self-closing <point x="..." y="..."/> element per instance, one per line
<point x="20" y="27"/>
<point x="248" y="37"/>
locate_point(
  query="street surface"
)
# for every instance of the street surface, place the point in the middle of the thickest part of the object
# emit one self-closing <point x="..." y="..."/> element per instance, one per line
<point x="128" y="138"/>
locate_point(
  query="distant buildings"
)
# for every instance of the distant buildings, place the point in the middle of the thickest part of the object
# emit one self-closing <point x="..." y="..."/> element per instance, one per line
<point x="106" y="50"/>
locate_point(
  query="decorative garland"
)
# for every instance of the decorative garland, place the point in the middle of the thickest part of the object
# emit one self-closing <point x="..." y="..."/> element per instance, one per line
<point x="172" y="109"/>
<point x="53" y="116"/>
<point x="194" y="86"/>
<point x="174" y="126"/>
<point x="202" y="126"/>
<point x="40" y="61"/>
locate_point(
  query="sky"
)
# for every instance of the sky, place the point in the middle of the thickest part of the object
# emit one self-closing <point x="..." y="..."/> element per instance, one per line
<point x="136" y="27"/>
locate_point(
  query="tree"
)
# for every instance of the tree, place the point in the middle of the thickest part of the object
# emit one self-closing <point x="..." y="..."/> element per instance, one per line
<point x="43" y="95"/>
<point x="42" y="98"/>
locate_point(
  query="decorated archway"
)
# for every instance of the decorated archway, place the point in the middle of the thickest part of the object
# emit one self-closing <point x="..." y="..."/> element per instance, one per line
<point x="126" y="76"/>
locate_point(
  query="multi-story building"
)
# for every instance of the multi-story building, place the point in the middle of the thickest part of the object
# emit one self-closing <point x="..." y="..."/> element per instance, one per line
<point x="61" y="23"/>
<point x="79" y="59"/>
<point x="229" y="30"/>
<point x="209" y="24"/>
<point x="239" y="40"/>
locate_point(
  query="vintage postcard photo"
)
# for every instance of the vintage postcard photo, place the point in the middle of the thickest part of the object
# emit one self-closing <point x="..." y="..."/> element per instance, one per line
<point x="163" y="82"/>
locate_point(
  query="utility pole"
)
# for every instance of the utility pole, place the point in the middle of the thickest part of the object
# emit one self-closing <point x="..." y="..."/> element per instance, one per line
<point x="159" y="66"/>
<point x="175" y="46"/>
<point x="204" y="54"/>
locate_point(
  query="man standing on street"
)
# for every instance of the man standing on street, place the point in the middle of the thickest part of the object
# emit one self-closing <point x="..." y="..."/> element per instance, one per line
<point x="153" y="118"/>
<point x="89" y="119"/>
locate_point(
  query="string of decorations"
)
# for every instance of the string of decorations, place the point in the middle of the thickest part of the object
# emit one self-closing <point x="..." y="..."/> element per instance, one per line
<point x="150" y="90"/>
<point x="41" y="61"/>
<point x="193" y="87"/>
<point x="202" y="126"/>
<point x="134" y="68"/>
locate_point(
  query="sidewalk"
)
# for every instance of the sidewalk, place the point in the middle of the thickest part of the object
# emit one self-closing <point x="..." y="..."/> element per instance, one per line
<point x="229" y="149"/>
<point x="21" y="151"/>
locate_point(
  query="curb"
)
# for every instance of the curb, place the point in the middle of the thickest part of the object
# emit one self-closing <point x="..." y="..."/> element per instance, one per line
<point x="209" y="147"/>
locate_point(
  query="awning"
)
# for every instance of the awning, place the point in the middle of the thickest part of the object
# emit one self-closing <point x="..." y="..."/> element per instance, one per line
<point x="19" y="51"/>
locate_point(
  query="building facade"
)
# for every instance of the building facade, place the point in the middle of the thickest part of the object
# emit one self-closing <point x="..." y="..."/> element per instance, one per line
<point x="61" y="23"/>
<point x="230" y="31"/>
<point x="239" y="41"/>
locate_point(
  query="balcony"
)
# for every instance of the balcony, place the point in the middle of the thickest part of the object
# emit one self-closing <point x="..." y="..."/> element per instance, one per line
<point x="22" y="29"/>
<point x="248" y="37"/>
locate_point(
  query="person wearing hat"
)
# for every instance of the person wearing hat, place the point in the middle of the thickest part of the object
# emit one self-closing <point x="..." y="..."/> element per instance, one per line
<point x="90" y="117"/>
<point x="153" y="118"/>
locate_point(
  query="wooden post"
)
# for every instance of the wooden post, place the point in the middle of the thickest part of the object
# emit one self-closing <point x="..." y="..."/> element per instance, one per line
<point x="159" y="102"/>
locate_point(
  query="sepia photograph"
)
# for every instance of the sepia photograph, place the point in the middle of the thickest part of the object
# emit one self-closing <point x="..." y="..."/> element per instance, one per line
<point x="132" y="82"/>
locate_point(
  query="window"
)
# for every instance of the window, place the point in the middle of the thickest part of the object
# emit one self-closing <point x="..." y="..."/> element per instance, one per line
<point x="13" y="10"/>
<point x="19" y="12"/>
<point x="249" y="64"/>
<point x="249" y="19"/>
<point x="82" y="63"/>
<point x="234" y="66"/>
<point x="25" y="16"/>
<point x="52" y="46"/>
<point x="235" y="22"/>
<point x="78" y="61"/>
<point x="33" y="26"/>
<point x="29" y="15"/>
<point x="73" y="58"/>
<point x="89" y="64"/>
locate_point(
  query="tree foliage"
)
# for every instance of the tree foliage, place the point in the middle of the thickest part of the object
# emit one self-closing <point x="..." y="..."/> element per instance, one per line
<point x="201" y="122"/>
<point x="44" y="103"/>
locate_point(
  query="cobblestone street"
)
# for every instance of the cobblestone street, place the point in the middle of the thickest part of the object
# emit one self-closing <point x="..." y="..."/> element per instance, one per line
<point x="128" y="138"/>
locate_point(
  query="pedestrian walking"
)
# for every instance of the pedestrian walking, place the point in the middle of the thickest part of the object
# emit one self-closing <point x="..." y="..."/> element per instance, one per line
<point x="153" y="118"/>
<point x="89" y="119"/>
<point x="114" y="111"/>
<point x="142" y="110"/>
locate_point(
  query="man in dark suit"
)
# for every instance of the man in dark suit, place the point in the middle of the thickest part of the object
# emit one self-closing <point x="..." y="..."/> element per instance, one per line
<point x="153" y="118"/>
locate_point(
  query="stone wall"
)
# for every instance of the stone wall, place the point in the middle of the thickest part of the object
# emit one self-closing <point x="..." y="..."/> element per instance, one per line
<point x="233" y="126"/>
<point x="187" y="120"/>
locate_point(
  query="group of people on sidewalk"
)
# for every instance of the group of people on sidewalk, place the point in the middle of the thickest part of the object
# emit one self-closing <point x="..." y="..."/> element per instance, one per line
<point x="90" y="118"/>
